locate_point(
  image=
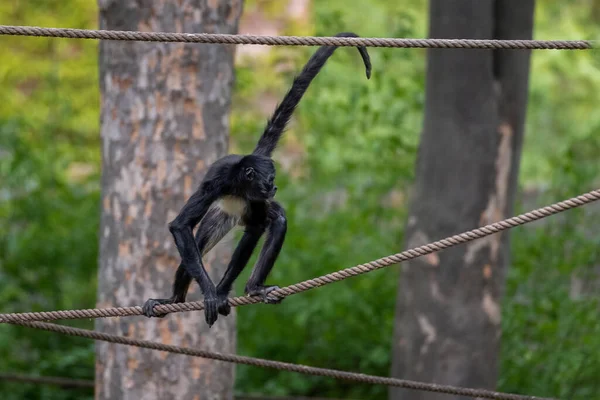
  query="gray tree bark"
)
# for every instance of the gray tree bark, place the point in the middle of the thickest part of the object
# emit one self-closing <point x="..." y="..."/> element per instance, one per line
<point x="164" y="119"/>
<point x="447" y="326"/>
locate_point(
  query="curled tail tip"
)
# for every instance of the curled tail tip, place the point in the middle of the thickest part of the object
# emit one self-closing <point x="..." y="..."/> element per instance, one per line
<point x="366" y="60"/>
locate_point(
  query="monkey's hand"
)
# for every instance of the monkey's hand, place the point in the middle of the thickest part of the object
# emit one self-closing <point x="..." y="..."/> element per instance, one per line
<point x="211" y="306"/>
<point x="265" y="293"/>
<point x="148" y="307"/>
<point x="223" y="307"/>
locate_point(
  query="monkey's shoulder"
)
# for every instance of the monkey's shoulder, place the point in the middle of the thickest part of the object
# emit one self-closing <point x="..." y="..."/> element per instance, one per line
<point x="222" y="164"/>
<point x="217" y="178"/>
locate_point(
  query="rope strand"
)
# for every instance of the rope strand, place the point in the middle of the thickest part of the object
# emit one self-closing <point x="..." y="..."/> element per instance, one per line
<point x="11" y="30"/>
<point x="279" y="365"/>
<point x="360" y="269"/>
<point x="48" y="380"/>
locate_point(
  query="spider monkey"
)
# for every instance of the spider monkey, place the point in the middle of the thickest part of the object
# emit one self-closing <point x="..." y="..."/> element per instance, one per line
<point x="239" y="190"/>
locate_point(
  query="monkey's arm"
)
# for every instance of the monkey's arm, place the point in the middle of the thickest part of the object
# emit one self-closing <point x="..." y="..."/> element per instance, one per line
<point x="213" y="227"/>
<point x="268" y="255"/>
<point x="238" y="262"/>
<point x="181" y="229"/>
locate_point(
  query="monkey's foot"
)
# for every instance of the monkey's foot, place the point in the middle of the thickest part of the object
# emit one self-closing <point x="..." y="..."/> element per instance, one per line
<point x="148" y="307"/>
<point x="265" y="293"/>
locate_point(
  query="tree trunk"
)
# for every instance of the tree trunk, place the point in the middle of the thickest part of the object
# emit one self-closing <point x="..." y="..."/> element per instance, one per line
<point x="447" y="327"/>
<point x="164" y="119"/>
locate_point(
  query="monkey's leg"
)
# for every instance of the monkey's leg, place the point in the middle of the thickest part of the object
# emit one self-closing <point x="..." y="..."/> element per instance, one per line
<point x="269" y="253"/>
<point x="180" y="289"/>
<point x="213" y="227"/>
<point x="182" y="230"/>
<point x="238" y="262"/>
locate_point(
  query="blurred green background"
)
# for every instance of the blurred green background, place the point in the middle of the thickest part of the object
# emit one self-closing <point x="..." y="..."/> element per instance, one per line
<point x="345" y="165"/>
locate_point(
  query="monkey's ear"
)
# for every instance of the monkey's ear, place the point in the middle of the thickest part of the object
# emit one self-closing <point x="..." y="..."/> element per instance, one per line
<point x="250" y="173"/>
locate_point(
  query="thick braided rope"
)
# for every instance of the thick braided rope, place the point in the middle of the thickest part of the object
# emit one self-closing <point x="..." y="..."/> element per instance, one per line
<point x="284" y="366"/>
<point x="360" y="269"/>
<point x="48" y="380"/>
<point x="294" y="40"/>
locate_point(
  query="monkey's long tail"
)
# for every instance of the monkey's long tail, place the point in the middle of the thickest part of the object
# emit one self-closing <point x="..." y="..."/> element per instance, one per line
<point x="276" y="125"/>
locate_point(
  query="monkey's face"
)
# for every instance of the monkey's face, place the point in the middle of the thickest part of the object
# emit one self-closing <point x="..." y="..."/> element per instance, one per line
<point x="257" y="175"/>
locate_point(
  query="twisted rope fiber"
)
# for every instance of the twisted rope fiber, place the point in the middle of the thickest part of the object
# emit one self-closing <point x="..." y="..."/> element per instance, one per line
<point x="294" y="40"/>
<point x="360" y="269"/>
<point x="51" y="380"/>
<point x="70" y="382"/>
<point x="279" y="365"/>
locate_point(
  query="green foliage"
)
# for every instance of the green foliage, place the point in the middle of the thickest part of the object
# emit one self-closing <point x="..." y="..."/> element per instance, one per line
<point x="346" y="200"/>
<point x="550" y="334"/>
<point x="49" y="198"/>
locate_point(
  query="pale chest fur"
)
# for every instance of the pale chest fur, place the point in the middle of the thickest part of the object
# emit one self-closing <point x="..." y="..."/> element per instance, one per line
<point x="232" y="205"/>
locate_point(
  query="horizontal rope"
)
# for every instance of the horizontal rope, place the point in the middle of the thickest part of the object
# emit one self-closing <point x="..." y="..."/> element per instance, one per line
<point x="360" y="269"/>
<point x="282" y="366"/>
<point x="47" y="380"/>
<point x="89" y="383"/>
<point x="294" y="40"/>
<point x="264" y="397"/>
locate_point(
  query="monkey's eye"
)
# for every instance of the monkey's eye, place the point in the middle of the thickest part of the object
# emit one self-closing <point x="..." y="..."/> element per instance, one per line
<point x="250" y="173"/>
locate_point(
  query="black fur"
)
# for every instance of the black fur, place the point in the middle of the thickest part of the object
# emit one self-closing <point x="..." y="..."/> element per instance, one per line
<point x="239" y="190"/>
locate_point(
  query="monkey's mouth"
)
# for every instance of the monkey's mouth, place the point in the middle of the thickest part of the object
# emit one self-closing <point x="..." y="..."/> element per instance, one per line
<point x="269" y="194"/>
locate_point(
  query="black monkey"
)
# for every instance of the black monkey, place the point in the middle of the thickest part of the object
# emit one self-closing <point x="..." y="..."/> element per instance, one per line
<point x="239" y="190"/>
